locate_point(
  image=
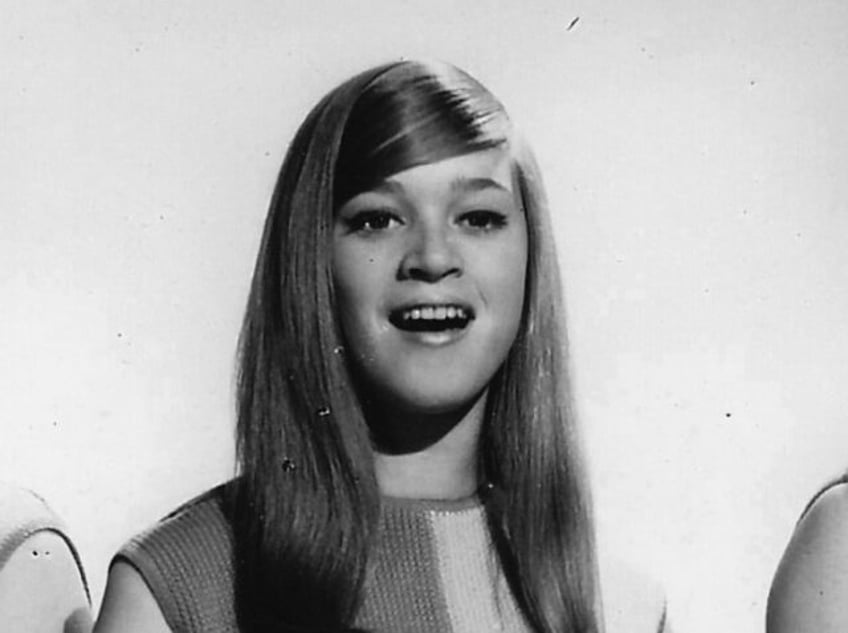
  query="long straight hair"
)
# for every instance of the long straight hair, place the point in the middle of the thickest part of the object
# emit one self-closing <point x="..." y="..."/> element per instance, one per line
<point x="306" y="503"/>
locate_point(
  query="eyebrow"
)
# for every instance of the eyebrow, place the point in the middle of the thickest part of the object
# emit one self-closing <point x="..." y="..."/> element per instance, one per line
<point x="462" y="184"/>
<point x="387" y="186"/>
<point x="465" y="184"/>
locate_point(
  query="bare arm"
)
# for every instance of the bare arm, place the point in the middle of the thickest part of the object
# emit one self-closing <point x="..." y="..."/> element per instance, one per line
<point x="810" y="588"/>
<point x="128" y="605"/>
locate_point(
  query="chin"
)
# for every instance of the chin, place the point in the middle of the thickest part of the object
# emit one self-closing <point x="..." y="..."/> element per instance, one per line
<point x="436" y="400"/>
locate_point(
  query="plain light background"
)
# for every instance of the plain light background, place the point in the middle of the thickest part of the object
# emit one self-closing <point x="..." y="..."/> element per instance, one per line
<point x="695" y="156"/>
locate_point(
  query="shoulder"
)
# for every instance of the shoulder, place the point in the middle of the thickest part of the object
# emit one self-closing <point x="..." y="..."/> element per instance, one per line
<point x="128" y="604"/>
<point x="42" y="585"/>
<point x="196" y="528"/>
<point x="633" y="601"/>
<point x="810" y="588"/>
<point x="184" y="563"/>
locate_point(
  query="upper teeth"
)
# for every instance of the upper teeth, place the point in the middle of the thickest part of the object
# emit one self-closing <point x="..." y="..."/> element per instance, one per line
<point x="435" y="312"/>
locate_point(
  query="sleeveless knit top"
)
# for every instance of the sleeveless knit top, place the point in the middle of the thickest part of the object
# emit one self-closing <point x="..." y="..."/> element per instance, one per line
<point x="433" y="570"/>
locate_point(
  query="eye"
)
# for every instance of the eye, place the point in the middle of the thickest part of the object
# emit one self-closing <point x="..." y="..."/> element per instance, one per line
<point x="372" y="221"/>
<point x="483" y="220"/>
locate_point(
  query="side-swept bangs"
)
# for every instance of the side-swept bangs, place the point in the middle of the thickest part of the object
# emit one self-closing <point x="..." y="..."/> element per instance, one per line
<point x="413" y="114"/>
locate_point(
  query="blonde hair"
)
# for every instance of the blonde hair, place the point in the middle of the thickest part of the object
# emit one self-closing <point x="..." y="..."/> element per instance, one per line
<point x="306" y="501"/>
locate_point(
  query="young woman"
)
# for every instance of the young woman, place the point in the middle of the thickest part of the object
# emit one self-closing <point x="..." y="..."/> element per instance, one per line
<point x="408" y="458"/>
<point x="810" y="588"/>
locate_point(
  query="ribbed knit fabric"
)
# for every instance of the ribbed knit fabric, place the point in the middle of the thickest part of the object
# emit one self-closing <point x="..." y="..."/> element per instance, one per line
<point x="433" y="570"/>
<point x="186" y="561"/>
<point x="469" y="569"/>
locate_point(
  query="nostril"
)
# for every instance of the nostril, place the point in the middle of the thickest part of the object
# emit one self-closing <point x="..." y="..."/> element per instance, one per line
<point x="431" y="265"/>
<point x="432" y="254"/>
<point x="431" y="273"/>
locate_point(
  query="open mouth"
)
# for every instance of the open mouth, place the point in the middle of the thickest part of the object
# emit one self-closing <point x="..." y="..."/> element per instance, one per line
<point x="431" y="317"/>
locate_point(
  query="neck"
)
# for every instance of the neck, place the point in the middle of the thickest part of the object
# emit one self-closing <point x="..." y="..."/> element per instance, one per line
<point x="444" y="469"/>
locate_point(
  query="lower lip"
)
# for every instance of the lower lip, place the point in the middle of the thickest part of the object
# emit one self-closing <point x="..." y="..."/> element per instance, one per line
<point x="435" y="339"/>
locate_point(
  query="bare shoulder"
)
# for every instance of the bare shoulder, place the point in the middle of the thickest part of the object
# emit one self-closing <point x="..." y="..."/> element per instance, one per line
<point x="810" y="588"/>
<point x="128" y="604"/>
<point x="633" y="601"/>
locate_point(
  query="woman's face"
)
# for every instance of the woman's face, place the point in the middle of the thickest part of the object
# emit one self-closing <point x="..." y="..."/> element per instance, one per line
<point x="429" y="271"/>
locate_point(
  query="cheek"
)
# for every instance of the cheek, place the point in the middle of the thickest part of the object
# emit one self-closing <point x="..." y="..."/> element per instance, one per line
<point x="512" y="306"/>
<point x="352" y="274"/>
<point x="356" y="325"/>
<point x="358" y="292"/>
<point x="509" y="270"/>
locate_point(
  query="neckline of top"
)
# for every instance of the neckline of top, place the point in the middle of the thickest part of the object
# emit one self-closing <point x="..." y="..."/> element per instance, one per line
<point x="471" y="502"/>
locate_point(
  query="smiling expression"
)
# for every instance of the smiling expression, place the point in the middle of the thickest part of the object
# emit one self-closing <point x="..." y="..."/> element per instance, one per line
<point x="429" y="270"/>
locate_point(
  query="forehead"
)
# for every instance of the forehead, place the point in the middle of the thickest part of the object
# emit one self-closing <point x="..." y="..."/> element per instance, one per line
<point x="490" y="168"/>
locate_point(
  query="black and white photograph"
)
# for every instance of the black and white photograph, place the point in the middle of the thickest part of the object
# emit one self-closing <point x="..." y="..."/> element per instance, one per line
<point x="423" y="316"/>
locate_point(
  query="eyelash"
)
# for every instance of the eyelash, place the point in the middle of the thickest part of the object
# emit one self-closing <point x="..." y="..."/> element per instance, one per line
<point x="377" y="220"/>
<point x="494" y="220"/>
<point x="363" y="222"/>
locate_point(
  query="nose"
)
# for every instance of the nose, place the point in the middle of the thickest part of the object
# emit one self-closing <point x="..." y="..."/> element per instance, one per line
<point x="431" y="255"/>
